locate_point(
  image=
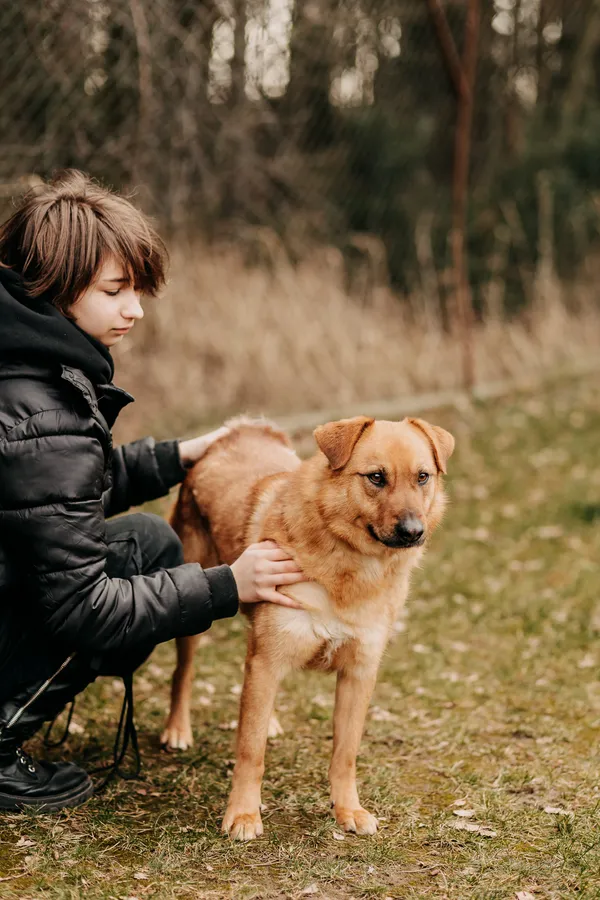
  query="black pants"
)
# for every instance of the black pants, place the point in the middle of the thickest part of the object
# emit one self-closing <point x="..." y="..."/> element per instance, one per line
<point x="138" y="544"/>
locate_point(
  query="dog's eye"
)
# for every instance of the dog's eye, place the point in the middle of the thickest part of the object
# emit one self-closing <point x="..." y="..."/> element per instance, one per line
<point x="376" y="478"/>
<point x="423" y="477"/>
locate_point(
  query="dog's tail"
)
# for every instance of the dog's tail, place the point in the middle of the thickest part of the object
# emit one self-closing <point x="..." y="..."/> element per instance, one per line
<point x="192" y="528"/>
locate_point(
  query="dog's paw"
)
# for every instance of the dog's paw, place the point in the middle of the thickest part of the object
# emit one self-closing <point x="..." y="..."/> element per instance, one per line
<point x="275" y="729"/>
<point x="242" y="826"/>
<point x="177" y="737"/>
<point x="359" y="821"/>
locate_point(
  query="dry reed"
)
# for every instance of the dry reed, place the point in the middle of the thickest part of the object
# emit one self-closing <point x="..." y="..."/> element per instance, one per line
<point x="226" y="338"/>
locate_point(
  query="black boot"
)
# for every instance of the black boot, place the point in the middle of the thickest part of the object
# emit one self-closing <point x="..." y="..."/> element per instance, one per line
<point x="45" y="785"/>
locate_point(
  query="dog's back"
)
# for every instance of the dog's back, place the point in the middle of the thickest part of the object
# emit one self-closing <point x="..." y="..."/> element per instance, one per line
<point x="223" y="488"/>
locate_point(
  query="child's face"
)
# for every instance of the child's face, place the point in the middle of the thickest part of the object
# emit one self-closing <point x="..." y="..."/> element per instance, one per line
<point x="110" y="306"/>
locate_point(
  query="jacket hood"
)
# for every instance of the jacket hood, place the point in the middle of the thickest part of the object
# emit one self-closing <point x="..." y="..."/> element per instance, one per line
<point x="33" y="331"/>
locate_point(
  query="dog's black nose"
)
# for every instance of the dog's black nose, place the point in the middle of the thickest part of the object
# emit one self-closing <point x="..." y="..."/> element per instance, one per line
<point x="409" y="530"/>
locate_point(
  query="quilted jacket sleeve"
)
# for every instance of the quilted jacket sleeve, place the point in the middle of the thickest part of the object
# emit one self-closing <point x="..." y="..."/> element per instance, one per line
<point x="52" y="517"/>
<point x="142" y="471"/>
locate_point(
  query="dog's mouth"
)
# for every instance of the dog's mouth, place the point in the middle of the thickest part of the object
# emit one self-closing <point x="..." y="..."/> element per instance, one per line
<point x="395" y="540"/>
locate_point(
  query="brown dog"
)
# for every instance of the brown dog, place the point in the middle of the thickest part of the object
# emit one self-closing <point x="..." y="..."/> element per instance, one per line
<point x="355" y="517"/>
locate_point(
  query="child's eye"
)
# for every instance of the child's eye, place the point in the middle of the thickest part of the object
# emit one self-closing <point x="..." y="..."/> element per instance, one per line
<point x="112" y="293"/>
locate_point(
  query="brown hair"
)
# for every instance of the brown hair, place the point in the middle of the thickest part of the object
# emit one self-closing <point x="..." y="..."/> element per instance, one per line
<point x="64" y="230"/>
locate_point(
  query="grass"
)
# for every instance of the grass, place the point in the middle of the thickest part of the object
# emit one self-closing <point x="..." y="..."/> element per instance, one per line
<point x="488" y="700"/>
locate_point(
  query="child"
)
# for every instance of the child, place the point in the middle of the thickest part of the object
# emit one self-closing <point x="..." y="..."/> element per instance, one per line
<point x="80" y="596"/>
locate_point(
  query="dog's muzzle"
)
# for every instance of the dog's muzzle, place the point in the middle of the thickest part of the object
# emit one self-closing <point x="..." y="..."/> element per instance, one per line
<point x="408" y="532"/>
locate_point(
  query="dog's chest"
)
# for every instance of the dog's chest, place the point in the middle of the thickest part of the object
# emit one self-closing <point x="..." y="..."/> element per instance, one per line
<point x="317" y="632"/>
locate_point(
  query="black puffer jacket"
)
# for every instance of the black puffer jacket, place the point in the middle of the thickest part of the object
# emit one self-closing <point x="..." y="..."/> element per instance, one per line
<point x="60" y="477"/>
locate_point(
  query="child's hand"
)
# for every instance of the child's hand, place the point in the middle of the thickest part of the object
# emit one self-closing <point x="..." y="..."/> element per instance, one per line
<point x="194" y="449"/>
<point x="261" y="569"/>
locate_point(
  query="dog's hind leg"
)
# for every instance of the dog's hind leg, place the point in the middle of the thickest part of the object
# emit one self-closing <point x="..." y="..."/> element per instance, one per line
<point x="197" y="547"/>
<point x="275" y="729"/>
<point x="177" y="733"/>
<point x="263" y="673"/>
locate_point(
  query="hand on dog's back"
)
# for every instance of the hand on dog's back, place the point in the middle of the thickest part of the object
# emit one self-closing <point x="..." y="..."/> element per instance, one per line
<point x="261" y="569"/>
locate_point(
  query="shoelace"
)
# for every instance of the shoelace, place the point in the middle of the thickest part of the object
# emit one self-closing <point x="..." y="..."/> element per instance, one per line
<point x="126" y="734"/>
<point x="47" y="741"/>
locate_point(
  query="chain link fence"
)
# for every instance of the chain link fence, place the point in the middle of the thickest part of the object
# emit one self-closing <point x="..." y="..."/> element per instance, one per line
<point x="322" y="121"/>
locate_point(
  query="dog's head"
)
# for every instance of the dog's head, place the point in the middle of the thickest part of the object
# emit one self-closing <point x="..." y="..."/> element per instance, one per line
<point x="381" y="484"/>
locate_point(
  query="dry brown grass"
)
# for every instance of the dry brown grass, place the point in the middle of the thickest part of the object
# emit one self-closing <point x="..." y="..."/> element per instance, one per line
<point x="227" y="338"/>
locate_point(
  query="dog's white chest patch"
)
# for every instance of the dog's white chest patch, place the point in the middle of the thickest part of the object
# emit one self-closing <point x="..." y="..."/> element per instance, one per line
<point x="317" y="619"/>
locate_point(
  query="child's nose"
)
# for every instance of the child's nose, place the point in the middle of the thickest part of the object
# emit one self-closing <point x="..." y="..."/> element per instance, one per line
<point x="132" y="308"/>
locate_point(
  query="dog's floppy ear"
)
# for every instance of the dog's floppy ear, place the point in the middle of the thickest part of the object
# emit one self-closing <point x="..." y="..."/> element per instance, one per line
<point x="441" y="441"/>
<point x="338" y="439"/>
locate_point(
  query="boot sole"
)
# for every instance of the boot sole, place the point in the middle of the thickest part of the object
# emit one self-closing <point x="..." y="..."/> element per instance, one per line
<point x="75" y="797"/>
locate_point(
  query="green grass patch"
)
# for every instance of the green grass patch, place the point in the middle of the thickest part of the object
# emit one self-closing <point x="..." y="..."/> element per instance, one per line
<point x="488" y="701"/>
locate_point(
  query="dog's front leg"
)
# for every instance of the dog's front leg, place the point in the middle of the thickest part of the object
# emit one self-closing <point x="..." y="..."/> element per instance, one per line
<point x="352" y="697"/>
<point x="262" y="675"/>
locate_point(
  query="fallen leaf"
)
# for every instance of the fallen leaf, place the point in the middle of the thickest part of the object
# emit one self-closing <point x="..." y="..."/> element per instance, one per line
<point x="321" y="700"/>
<point x="557" y="811"/>
<point x="524" y="895"/>
<point x="155" y="671"/>
<point x="587" y="662"/>
<point x="228" y="726"/>
<point x="24" y="842"/>
<point x="141" y="876"/>
<point x="465" y="826"/>
<point x="474" y="828"/>
<point x="465" y="813"/>
<point x="458" y="802"/>
<point x="548" y="532"/>
<point x="381" y="715"/>
<point x="370" y="870"/>
<point x="338" y="837"/>
<point x="76" y="728"/>
<point x="208" y="868"/>
<point x="311" y="889"/>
